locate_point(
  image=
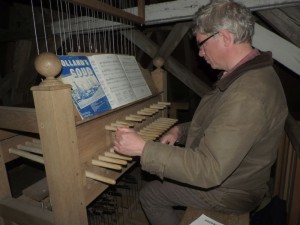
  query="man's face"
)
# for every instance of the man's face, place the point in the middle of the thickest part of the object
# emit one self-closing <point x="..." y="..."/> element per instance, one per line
<point x="210" y="49"/>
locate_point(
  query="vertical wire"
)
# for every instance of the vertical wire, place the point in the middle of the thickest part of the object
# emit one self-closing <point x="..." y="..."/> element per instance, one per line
<point x="60" y="32"/>
<point x="99" y="35"/>
<point x="108" y="34"/>
<point x="44" y="28"/>
<point x="133" y="41"/>
<point x="77" y="29"/>
<point x="52" y="24"/>
<point x="118" y="35"/>
<point x="70" y="31"/>
<point x="121" y="29"/>
<point x="112" y="31"/>
<point x="82" y="34"/>
<point x="35" y="33"/>
<point x="63" y="26"/>
<point x="126" y="30"/>
<point x="87" y="12"/>
<point x="105" y="33"/>
<point x="131" y="33"/>
<point x="133" y="38"/>
<point x="91" y="46"/>
<point x="129" y="23"/>
<point x="94" y="32"/>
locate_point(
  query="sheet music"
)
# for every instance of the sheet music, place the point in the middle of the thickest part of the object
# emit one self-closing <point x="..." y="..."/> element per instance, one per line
<point x="87" y="92"/>
<point x="111" y="75"/>
<point x="135" y="76"/>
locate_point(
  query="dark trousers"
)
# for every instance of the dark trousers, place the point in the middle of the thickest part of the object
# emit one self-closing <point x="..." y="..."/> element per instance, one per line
<point x="158" y="198"/>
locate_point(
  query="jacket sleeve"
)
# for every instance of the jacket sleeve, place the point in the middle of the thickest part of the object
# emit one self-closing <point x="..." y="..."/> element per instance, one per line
<point x="183" y="127"/>
<point x="238" y="122"/>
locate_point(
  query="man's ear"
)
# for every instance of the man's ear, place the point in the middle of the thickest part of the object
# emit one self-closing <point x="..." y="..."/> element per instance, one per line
<point x="227" y="37"/>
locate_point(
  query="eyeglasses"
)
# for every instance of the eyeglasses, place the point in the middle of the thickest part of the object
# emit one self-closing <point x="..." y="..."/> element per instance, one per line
<point x="199" y="44"/>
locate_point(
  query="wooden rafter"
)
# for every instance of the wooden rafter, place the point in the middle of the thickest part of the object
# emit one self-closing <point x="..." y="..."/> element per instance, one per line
<point x="106" y="8"/>
<point x="173" y="39"/>
<point x="285" y="21"/>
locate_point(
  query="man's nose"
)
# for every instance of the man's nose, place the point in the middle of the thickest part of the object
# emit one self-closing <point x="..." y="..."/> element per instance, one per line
<point x="201" y="52"/>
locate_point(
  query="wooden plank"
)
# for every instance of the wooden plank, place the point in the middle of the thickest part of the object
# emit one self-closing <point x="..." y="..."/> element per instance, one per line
<point x="282" y="21"/>
<point x="12" y="142"/>
<point x="4" y="184"/>
<point x="21" y="213"/>
<point x="141" y="8"/>
<point x="103" y="7"/>
<point x="179" y="10"/>
<point x="37" y="191"/>
<point x="21" y="119"/>
<point x="283" y="51"/>
<point x="6" y="134"/>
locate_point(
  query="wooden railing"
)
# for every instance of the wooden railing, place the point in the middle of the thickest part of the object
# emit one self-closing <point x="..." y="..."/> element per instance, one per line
<point x="287" y="173"/>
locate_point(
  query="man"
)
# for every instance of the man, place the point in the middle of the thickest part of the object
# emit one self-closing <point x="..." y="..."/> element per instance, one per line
<point x="231" y="142"/>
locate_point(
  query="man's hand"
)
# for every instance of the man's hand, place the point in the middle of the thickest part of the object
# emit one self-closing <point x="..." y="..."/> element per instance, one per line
<point x="171" y="136"/>
<point x="128" y="142"/>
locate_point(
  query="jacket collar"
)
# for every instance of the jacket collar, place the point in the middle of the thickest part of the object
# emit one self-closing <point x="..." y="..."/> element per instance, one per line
<point x="262" y="60"/>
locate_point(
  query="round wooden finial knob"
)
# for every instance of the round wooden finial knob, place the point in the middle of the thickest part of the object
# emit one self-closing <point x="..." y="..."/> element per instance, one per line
<point x="48" y="65"/>
<point x="158" y="61"/>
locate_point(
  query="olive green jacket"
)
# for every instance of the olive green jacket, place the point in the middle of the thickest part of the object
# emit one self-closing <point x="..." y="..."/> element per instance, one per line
<point x="232" y="140"/>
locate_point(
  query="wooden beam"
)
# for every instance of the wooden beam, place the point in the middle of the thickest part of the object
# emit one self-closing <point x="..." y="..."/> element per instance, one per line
<point x="16" y="118"/>
<point x="283" y="51"/>
<point x="173" y="39"/>
<point x="106" y="8"/>
<point x="141" y="8"/>
<point x="4" y="184"/>
<point x="22" y="213"/>
<point x="171" y="64"/>
<point x="284" y="21"/>
<point x="181" y="10"/>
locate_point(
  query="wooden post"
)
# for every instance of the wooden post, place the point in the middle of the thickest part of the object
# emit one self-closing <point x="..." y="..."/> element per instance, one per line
<point x="4" y="184"/>
<point x="55" y="116"/>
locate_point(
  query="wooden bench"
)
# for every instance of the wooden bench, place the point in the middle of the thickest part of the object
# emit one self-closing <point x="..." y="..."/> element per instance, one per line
<point x="192" y="214"/>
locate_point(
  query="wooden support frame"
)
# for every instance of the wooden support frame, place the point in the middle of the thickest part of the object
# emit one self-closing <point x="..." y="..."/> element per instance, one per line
<point x="68" y="147"/>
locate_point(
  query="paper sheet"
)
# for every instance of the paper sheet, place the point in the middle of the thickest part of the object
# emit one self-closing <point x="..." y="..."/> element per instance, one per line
<point x="205" y="220"/>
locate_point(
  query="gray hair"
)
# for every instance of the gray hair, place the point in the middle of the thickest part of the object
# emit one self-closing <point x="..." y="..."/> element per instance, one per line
<point x="225" y="14"/>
